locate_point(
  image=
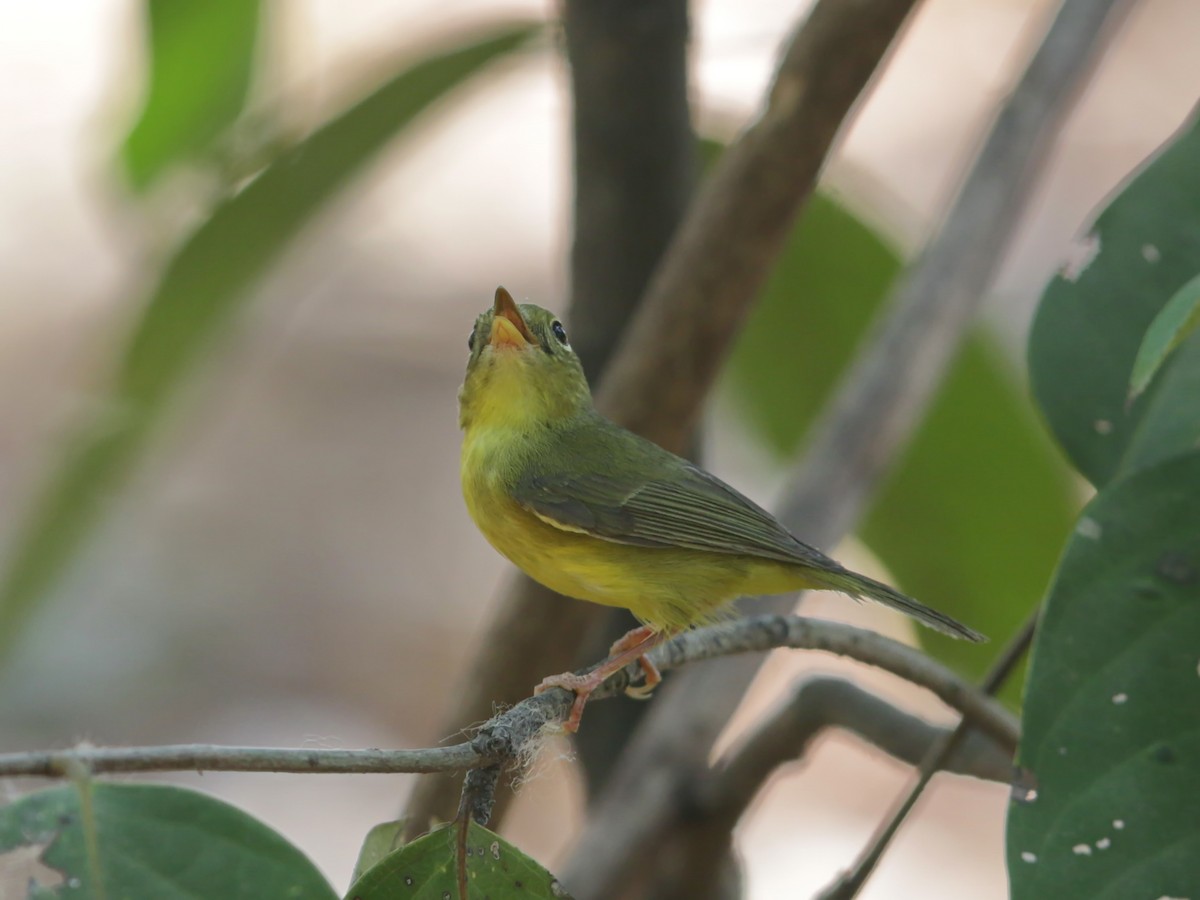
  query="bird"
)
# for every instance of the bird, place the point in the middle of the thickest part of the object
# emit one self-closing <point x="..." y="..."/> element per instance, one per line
<point x="598" y="513"/>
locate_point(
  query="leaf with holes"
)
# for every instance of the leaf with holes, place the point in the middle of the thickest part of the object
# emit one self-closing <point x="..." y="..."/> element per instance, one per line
<point x="1111" y="731"/>
<point x="424" y="870"/>
<point x="1143" y="249"/>
<point x="146" y="842"/>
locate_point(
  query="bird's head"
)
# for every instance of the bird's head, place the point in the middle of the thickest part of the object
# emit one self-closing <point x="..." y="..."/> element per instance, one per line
<point x="522" y="371"/>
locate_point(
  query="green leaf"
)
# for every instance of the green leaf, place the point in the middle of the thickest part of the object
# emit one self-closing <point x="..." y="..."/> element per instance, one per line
<point x="1111" y="736"/>
<point x="425" y="870"/>
<point x="1143" y="249"/>
<point x="209" y="279"/>
<point x="1178" y="319"/>
<point x="971" y="518"/>
<point x="379" y="842"/>
<point x="1170" y="418"/>
<point x="146" y="842"/>
<point x="974" y="514"/>
<point x="202" y="62"/>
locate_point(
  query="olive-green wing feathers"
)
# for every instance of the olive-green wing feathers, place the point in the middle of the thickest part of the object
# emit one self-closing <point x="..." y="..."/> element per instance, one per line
<point x="606" y="482"/>
<point x="632" y="492"/>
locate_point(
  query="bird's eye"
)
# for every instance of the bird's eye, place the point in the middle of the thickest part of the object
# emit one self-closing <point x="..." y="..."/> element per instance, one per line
<point x="559" y="331"/>
<point x="471" y="341"/>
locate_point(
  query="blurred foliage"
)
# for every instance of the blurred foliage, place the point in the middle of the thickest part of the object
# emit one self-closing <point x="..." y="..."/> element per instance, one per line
<point x="1110" y="740"/>
<point x="425" y="870"/>
<point x="208" y="279"/>
<point x="146" y="842"/>
<point x="971" y="518"/>
<point x="202" y="64"/>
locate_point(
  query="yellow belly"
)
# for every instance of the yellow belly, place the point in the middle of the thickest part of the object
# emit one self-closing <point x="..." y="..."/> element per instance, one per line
<point x="667" y="588"/>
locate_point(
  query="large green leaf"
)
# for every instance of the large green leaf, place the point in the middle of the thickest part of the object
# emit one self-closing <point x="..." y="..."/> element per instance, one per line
<point x="146" y="842"/>
<point x="202" y="61"/>
<point x="1143" y="248"/>
<point x="1111" y="733"/>
<point x="971" y="518"/>
<point x="204" y="284"/>
<point x="425" y="870"/>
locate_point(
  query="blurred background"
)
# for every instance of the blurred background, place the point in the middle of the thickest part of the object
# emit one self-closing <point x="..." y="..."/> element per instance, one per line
<point x="290" y="562"/>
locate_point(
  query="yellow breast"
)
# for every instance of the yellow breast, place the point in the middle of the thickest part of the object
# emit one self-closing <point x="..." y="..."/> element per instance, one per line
<point x="667" y="588"/>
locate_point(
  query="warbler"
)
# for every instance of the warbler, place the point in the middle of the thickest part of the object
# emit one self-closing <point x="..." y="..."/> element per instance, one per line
<point x="597" y="513"/>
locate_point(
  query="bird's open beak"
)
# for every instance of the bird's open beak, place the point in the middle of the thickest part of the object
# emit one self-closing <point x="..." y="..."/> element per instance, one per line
<point x="508" y="326"/>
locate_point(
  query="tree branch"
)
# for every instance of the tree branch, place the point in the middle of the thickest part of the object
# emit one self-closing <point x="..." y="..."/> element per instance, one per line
<point x="217" y="758"/>
<point x="888" y="387"/>
<point x="634" y="173"/>
<point x="880" y="402"/>
<point x="504" y="737"/>
<point x="849" y="884"/>
<point x="726" y="248"/>
<point x="784" y="735"/>
<point x="825" y="702"/>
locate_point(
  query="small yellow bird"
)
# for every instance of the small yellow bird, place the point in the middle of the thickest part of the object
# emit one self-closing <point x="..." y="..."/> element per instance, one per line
<point x="595" y="512"/>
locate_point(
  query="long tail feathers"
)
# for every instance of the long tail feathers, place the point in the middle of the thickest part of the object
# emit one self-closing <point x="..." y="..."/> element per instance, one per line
<point x="864" y="588"/>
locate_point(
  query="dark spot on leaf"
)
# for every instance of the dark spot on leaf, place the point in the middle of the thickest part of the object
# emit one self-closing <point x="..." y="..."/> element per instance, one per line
<point x="518" y="884"/>
<point x="1176" y="568"/>
<point x="1164" y="754"/>
<point x="313" y="760"/>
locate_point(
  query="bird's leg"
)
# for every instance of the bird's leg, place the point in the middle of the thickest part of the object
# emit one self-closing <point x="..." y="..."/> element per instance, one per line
<point x="633" y="646"/>
<point x="651" y="676"/>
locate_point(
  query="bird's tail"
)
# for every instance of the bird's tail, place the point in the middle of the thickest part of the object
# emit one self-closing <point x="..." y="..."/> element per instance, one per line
<point x="863" y="588"/>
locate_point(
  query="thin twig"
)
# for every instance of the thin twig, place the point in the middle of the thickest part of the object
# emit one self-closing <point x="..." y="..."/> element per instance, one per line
<point x="478" y="797"/>
<point x="880" y="402"/>
<point x="848" y="885"/>
<point x="505" y="736"/>
<point x="784" y="735"/>
<point x="218" y="758"/>
<point x="770" y="631"/>
<point x="825" y="702"/>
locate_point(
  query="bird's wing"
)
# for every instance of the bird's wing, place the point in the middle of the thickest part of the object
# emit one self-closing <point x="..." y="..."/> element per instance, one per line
<point x="615" y="486"/>
<point x="621" y="488"/>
